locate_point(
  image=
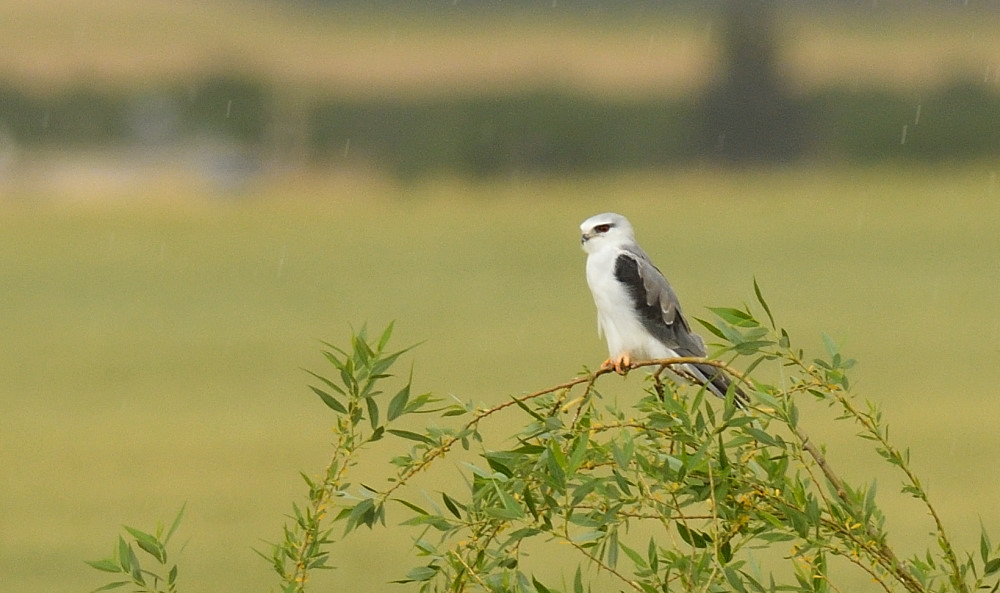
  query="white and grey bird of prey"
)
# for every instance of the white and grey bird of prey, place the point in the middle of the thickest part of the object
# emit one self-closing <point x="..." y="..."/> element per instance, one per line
<point x="637" y="310"/>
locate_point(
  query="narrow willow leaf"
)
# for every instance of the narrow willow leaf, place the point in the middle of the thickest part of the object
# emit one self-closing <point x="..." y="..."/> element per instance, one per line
<point x="124" y="555"/>
<point x="148" y="543"/>
<point x="734" y="579"/>
<point x="612" y="549"/>
<point x="752" y="347"/>
<point x="372" y="412"/>
<point x="510" y="504"/>
<point x="106" y="565"/>
<point x="579" y="451"/>
<point x="634" y="556"/>
<point x="869" y="507"/>
<point x="734" y="316"/>
<point x="725" y="552"/>
<point x="528" y="410"/>
<point x="386" y="334"/>
<point x="529" y="501"/>
<point x="327" y="382"/>
<point x="110" y="586"/>
<point x="991" y="567"/>
<point x="540" y="588"/>
<point x="388" y="360"/>
<point x="397" y="405"/>
<point x="831" y="347"/>
<point x="333" y="358"/>
<point x="693" y="537"/>
<point x="175" y="524"/>
<point x="582" y="491"/>
<point x="411" y="506"/>
<point x="763" y="303"/>
<point x="984" y="543"/>
<point x="412" y="436"/>
<point x="420" y="573"/>
<point x="711" y="327"/>
<point x="451" y="505"/>
<point x="330" y="401"/>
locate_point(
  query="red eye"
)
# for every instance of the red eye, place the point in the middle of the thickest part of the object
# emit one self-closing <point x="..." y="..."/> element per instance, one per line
<point x="602" y="228"/>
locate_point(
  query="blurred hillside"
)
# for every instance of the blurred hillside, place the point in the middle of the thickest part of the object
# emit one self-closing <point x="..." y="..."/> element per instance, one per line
<point x="231" y="90"/>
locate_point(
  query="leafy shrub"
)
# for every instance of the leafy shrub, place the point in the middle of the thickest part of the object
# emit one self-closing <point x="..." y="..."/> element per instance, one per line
<point x="674" y="493"/>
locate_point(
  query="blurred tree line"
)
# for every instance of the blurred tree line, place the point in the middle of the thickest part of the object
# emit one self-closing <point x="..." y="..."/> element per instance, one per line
<point x="747" y="115"/>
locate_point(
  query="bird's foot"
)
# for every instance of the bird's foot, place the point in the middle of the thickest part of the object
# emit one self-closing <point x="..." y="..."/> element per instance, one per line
<point x="621" y="364"/>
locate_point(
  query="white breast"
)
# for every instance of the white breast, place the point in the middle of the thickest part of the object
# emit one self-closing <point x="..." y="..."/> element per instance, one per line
<point x="616" y="316"/>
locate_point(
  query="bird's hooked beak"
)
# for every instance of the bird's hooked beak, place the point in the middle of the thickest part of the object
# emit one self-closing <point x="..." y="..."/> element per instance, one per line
<point x="584" y="237"/>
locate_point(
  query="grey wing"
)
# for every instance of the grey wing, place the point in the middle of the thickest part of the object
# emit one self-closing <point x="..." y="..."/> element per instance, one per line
<point x="656" y="303"/>
<point x="660" y="311"/>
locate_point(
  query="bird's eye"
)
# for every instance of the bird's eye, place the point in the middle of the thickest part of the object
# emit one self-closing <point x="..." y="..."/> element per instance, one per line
<point x="602" y="228"/>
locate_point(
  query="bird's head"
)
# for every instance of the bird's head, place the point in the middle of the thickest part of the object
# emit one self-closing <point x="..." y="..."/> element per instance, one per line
<point x="608" y="229"/>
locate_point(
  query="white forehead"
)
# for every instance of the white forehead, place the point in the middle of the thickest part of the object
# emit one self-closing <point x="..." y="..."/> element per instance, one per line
<point x="606" y="218"/>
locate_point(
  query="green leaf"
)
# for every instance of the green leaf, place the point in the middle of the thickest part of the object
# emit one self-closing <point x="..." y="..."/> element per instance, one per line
<point x="451" y="505"/>
<point x="327" y="382"/>
<point x="556" y="462"/>
<point x="411" y="506"/>
<point x="623" y="454"/>
<point x="175" y="524"/>
<point x="734" y="579"/>
<point x="397" y="405"/>
<point x="581" y="491"/>
<point x="388" y="360"/>
<point x="579" y="451"/>
<point x="528" y="410"/>
<point x="420" y="574"/>
<point x="693" y="537"/>
<point x="725" y="552"/>
<point x="869" y="507"/>
<point x="125" y="555"/>
<point x="752" y="347"/>
<point x="510" y="504"/>
<point x="991" y="567"/>
<point x="763" y="303"/>
<point x="148" y="543"/>
<point x="711" y="327"/>
<point x="386" y="334"/>
<point x="612" y="549"/>
<point x="412" y="436"/>
<point x="539" y="587"/>
<point x="634" y="556"/>
<point x="831" y="347"/>
<point x="362" y="513"/>
<point x="106" y="565"/>
<point x="734" y="316"/>
<point x="110" y="586"/>
<point x="372" y="412"/>
<point x="330" y="401"/>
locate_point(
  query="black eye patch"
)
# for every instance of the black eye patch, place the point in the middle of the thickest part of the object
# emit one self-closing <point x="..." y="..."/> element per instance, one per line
<point x="603" y="228"/>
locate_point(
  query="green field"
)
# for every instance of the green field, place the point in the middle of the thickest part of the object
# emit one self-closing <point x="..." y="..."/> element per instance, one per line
<point x="152" y="352"/>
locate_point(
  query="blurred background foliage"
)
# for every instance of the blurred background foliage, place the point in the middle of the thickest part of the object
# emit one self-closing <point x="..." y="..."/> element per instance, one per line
<point x="737" y="90"/>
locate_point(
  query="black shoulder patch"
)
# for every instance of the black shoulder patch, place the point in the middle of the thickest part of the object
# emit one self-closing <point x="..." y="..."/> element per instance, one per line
<point x="627" y="272"/>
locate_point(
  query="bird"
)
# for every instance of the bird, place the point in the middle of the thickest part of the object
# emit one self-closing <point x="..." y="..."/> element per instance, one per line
<point x="638" y="312"/>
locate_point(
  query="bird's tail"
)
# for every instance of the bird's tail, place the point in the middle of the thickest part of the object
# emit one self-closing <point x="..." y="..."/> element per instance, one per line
<point x="717" y="381"/>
